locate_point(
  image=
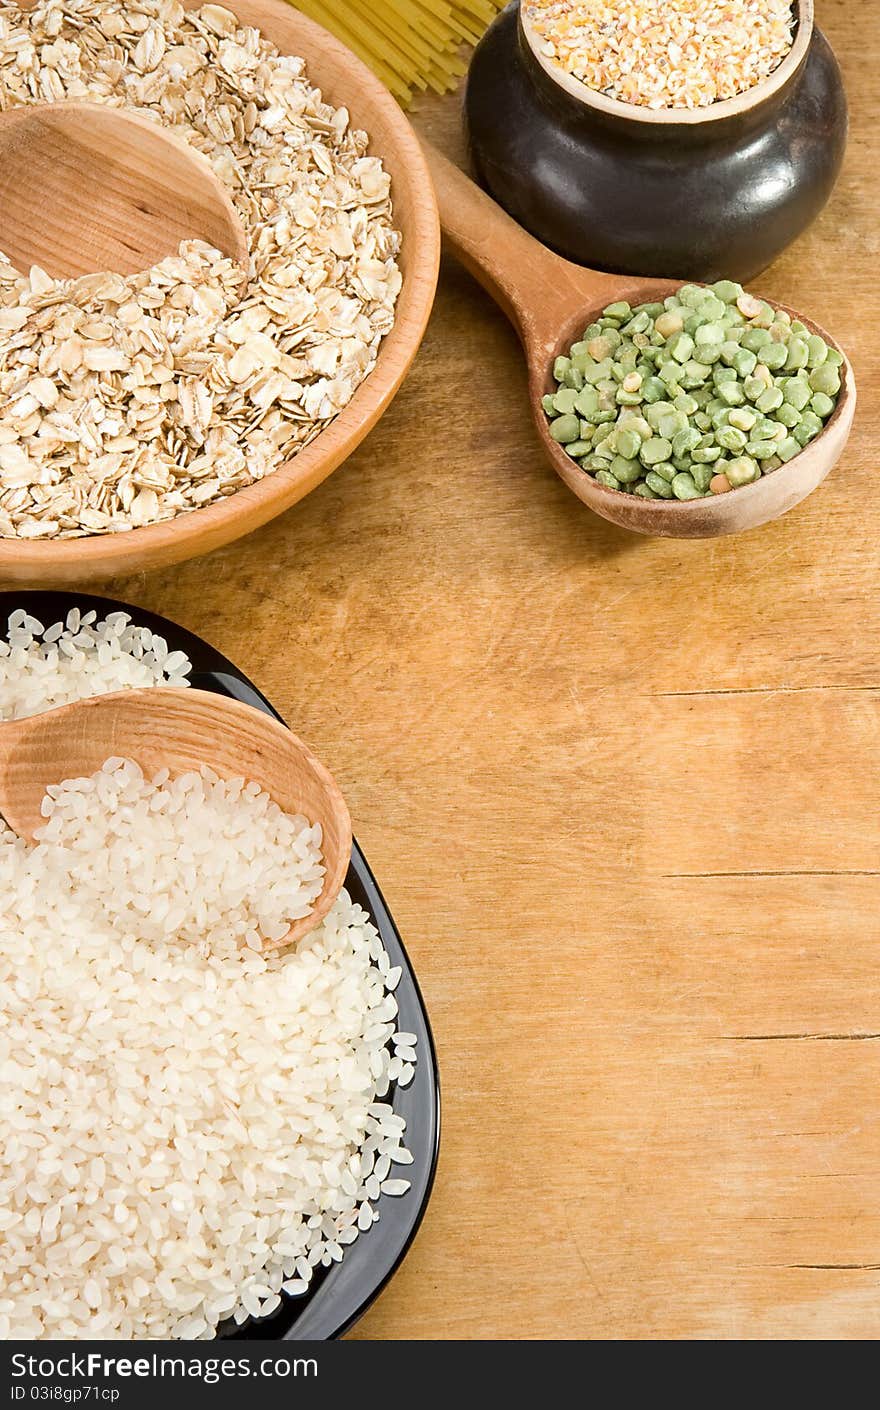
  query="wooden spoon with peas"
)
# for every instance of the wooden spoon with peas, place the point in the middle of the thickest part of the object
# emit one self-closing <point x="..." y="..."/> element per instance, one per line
<point x="550" y="302"/>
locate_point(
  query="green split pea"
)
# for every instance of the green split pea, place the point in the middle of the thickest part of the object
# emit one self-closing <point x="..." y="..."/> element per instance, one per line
<point x="697" y="395"/>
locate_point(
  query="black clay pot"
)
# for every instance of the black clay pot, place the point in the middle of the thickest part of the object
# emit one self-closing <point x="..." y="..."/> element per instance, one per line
<point x="695" y="194"/>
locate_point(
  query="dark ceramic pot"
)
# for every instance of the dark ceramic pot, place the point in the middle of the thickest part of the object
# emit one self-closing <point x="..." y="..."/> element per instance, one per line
<point x="693" y="194"/>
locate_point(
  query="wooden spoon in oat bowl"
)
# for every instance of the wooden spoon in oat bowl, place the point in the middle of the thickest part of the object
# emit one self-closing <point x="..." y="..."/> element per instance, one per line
<point x="550" y="301"/>
<point x="180" y="730"/>
<point x="86" y="188"/>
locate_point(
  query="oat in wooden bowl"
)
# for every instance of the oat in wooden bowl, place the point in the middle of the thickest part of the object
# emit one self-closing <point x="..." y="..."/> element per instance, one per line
<point x="125" y="402"/>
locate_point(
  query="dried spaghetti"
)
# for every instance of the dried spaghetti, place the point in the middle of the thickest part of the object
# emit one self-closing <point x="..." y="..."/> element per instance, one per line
<point x="413" y="45"/>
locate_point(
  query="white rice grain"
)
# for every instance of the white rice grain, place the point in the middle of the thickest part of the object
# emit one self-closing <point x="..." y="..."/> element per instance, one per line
<point x="43" y="667"/>
<point x="188" y="1128"/>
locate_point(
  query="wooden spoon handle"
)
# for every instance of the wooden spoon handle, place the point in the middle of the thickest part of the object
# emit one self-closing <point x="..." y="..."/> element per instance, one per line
<point x="535" y="288"/>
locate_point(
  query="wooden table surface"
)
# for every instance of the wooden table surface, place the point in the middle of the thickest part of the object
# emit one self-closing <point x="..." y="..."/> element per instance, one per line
<point x="621" y="795"/>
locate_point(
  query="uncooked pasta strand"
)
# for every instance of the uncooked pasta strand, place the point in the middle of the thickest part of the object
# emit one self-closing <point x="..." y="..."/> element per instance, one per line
<point x="373" y="56"/>
<point x="410" y="44"/>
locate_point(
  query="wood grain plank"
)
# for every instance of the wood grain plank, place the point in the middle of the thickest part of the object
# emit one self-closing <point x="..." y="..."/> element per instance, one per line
<point x="620" y="795"/>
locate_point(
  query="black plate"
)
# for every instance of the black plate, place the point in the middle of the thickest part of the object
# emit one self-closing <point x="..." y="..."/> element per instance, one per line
<point x="341" y="1293"/>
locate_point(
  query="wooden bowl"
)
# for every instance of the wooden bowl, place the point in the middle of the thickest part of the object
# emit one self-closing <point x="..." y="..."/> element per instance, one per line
<point x="343" y="80"/>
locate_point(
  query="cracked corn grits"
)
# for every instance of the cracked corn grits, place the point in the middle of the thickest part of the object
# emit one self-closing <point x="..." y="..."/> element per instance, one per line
<point x="665" y="53"/>
<point x="127" y="401"/>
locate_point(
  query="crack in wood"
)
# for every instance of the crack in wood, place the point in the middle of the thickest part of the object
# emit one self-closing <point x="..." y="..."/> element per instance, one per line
<point x="763" y="690"/>
<point x="751" y="875"/>
<point x="800" y="1037"/>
